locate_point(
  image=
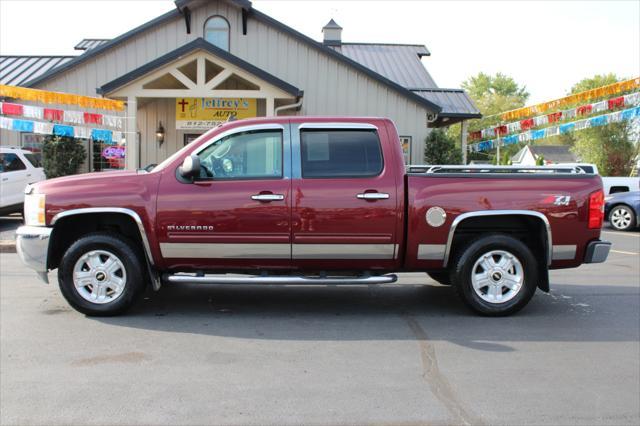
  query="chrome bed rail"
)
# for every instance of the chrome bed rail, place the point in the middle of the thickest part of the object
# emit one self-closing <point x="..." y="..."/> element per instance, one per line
<point x="490" y="169"/>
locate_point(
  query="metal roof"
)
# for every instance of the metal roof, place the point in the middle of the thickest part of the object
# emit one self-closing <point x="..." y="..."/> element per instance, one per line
<point x="452" y="101"/>
<point x="554" y="153"/>
<point x="90" y="43"/>
<point x="17" y="70"/>
<point x="399" y="63"/>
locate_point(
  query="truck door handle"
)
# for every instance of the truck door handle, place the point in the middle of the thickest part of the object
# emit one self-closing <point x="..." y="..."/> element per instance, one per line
<point x="373" y="196"/>
<point x="268" y="197"/>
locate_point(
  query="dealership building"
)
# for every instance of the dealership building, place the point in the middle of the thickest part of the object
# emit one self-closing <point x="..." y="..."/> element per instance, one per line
<point x="204" y="61"/>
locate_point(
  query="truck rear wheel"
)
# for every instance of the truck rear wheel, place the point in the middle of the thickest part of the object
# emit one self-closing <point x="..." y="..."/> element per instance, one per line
<point x="495" y="275"/>
<point x="101" y="274"/>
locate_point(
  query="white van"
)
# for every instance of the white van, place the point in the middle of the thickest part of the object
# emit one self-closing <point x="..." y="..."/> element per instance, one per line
<point x="18" y="168"/>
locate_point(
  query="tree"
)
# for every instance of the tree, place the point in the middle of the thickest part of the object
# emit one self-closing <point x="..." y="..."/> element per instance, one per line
<point x="609" y="147"/>
<point x="61" y="156"/>
<point x="492" y="94"/>
<point x="540" y="160"/>
<point x="440" y="148"/>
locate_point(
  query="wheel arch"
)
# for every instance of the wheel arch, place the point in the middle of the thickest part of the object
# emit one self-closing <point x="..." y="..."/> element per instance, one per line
<point x="504" y="221"/>
<point x="77" y="222"/>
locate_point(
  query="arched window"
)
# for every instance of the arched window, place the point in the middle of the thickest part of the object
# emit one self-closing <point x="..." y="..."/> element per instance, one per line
<point x="216" y="32"/>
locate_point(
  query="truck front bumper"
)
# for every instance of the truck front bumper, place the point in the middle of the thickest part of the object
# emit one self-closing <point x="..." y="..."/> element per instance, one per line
<point x="32" y="245"/>
<point x="597" y="251"/>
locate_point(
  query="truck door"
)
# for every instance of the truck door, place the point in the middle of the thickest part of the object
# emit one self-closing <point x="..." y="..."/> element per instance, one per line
<point x="344" y="197"/>
<point x="238" y="213"/>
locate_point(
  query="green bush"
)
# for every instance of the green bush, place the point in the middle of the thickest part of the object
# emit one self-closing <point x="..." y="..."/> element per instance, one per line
<point x="62" y="156"/>
<point x="440" y="148"/>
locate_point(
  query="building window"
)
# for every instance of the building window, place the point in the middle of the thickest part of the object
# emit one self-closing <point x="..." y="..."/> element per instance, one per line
<point x="216" y="32"/>
<point x="32" y="142"/>
<point x="405" y="141"/>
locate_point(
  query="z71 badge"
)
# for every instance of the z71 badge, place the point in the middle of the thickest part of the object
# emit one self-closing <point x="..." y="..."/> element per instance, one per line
<point x="557" y="200"/>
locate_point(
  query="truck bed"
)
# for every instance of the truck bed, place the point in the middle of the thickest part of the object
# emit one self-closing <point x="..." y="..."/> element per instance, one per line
<point x="561" y="196"/>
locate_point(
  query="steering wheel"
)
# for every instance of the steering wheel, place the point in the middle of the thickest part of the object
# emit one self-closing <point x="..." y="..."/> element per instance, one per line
<point x="222" y="150"/>
<point x="205" y="172"/>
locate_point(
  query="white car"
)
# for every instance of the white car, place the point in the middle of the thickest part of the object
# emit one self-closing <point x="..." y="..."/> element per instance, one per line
<point x="18" y="168"/>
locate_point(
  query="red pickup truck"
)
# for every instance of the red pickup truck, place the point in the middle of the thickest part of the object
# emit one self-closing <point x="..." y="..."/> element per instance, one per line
<point x="310" y="200"/>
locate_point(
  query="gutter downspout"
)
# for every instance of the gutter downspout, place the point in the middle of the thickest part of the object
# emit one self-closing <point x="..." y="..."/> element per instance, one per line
<point x="286" y="107"/>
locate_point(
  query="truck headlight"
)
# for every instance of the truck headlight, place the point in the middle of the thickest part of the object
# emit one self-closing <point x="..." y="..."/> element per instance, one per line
<point x="34" y="209"/>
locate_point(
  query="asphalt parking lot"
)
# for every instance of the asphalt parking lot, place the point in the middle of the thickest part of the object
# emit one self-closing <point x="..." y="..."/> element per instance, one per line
<point x="396" y="354"/>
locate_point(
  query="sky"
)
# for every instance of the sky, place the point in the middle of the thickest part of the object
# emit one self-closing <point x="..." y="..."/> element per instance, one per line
<point x="545" y="45"/>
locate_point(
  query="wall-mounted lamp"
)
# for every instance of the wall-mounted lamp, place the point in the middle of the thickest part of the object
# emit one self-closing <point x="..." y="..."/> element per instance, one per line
<point x="160" y="134"/>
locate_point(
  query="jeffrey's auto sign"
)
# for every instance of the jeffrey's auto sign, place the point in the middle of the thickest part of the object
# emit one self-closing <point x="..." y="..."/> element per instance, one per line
<point x="205" y="113"/>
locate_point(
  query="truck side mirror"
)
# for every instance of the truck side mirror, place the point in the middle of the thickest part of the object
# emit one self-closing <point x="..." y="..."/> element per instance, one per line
<point x="190" y="167"/>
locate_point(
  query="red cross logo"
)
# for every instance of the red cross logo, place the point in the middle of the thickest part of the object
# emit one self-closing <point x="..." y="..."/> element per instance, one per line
<point x="182" y="103"/>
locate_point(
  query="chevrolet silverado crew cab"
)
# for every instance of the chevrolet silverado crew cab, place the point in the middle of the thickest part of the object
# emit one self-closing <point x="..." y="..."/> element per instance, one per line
<point x="310" y="200"/>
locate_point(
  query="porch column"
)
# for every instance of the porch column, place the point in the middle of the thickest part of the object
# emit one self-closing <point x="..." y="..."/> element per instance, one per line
<point x="270" y="107"/>
<point x="463" y="140"/>
<point x="131" y="156"/>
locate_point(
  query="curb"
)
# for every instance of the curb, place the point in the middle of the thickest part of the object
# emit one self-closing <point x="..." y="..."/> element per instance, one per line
<point x="7" y="246"/>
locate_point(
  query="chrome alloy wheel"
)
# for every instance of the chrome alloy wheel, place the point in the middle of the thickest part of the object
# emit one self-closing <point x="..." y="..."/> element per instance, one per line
<point x="620" y="218"/>
<point x="99" y="276"/>
<point x="497" y="276"/>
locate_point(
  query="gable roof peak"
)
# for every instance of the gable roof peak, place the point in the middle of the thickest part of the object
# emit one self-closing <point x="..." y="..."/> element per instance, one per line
<point x="332" y="25"/>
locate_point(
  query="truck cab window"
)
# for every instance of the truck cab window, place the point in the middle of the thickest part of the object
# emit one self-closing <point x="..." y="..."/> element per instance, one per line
<point x="246" y="155"/>
<point x="340" y="153"/>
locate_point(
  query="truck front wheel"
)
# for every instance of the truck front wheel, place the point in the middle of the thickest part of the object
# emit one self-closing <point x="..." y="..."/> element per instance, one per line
<point x="101" y="274"/>
<point x="495" y="275"/>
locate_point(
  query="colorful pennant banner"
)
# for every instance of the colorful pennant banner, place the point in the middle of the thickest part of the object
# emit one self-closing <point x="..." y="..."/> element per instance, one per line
<point x="47" y="97"/>
<point x="72" y="117"/>
<point x="600" y="92"/>
<point x="19" y="125"/>
<point x="631" y="99"/>
<point x="532" y="135"/>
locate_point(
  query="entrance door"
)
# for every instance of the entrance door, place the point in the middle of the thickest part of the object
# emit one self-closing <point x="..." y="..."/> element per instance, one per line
<point x="237" y="213"/>
<point x="345" y="201"/>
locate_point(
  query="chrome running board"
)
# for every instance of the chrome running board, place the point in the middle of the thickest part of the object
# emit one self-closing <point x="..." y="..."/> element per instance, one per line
<point x="279" y="279"/>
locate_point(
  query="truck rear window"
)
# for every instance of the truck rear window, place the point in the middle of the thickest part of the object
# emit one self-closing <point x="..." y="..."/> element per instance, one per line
<point x="340" y="153"/>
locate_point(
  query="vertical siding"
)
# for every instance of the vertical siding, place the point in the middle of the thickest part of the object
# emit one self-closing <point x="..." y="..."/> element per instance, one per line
<point x="9" y="138"/>
<point x="331" y="87"/>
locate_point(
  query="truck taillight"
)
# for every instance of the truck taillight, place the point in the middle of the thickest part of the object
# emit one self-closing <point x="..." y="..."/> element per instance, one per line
<point x="596" y="209"/>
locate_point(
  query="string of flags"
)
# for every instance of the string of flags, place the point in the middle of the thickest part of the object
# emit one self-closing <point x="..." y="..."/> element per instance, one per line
<point x="47" y="97"/>
<point x="531" y="135"/>
<point x="58" y="115"/>
<point x="47" y="128"/>
<point x="587" y="95"/>
<point x="631" y="99"/>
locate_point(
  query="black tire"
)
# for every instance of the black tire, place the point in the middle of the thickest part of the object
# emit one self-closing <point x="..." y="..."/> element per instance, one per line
<point x="465" y="260"/>
<point x="126" y="253"/>
<point x="619" y="225"/>
<point x="441" y="277"/>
